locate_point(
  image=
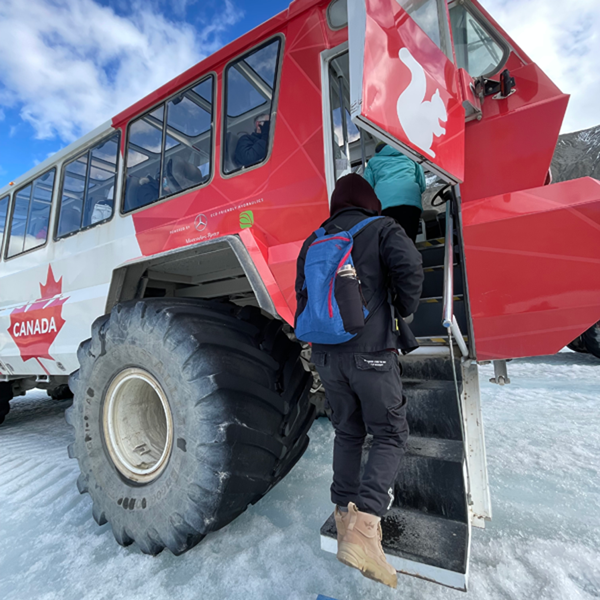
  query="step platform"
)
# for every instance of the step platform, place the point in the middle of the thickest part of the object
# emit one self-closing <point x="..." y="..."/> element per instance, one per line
<point x="418" y="544"/>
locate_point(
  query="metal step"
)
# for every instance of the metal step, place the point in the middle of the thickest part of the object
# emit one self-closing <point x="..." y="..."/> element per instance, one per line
<point x="438" y="341"/>
<point x="432" y="410"/>
<point x="433" y="285"/>
<point x="433" y="243"/>
<point x="433" y="256"/>
<point x="427" y="369"/>
<point x="419" y="544"/>
<point x="431" y="479"/>
<point x="427" y="531"/>
<point x="427" y="321"/>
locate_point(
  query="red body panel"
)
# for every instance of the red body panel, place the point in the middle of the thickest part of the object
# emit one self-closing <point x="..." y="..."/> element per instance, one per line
<point x="532" y="271"/>
<point x="511" y="148"/>
<point x="393" y="99"/>
<point x="281" y="193"/>
<point x="533" y="266"/>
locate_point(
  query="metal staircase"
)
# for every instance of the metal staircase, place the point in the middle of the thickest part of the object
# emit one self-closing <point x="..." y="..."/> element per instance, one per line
<point x="427" y="531"/>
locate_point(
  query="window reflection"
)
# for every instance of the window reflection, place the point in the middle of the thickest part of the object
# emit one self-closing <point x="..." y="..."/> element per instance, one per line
<point x="476" y="51"/>
<point x="165" y="157"/>
<point x="250" y="90"/>
<point x="88" y="188"/>
<point x="431" y="17"/>
<point x="31" y="215"/>
<point x="3" y="215"/>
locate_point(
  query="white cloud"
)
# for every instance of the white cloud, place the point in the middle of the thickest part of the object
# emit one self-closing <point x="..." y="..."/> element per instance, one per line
<point x="70" y="65"/>
<point x="563" y="38"/>
<point x="2" y="115"/>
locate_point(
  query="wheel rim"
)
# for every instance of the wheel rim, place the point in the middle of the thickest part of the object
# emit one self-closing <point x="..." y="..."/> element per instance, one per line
<point x="138" y="425"/>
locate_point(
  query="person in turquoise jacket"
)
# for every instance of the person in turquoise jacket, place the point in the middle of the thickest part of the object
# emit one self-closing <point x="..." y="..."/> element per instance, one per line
<point x="399" y="183"/>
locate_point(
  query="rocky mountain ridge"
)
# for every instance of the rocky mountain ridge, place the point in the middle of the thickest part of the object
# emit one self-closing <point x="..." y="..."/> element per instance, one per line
<point x="577" y="155"/>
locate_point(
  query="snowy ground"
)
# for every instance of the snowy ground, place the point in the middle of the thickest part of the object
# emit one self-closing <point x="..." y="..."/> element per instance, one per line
<point x="543" y="441"/>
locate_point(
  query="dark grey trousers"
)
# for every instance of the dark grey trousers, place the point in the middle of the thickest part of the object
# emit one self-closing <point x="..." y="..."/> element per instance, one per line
<point x="364" y="392"/>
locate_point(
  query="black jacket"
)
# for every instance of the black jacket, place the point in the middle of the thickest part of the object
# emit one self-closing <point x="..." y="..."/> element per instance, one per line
<point x="252" y="148"/>
<point x="385" y="259"/>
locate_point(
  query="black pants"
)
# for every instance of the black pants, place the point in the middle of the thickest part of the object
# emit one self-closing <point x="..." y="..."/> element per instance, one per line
<point x="407" y="217"/>
<point x="364" y="393"/>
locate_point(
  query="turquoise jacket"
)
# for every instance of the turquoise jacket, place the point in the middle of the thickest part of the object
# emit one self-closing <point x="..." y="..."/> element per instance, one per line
<point x="397" y="179"/>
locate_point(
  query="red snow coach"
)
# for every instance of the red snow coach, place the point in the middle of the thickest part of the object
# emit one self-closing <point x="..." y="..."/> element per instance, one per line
<point x="171" y="233"/>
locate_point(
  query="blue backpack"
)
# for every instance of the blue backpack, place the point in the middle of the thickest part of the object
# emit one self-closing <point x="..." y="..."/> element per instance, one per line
<point x="335" y="311"/>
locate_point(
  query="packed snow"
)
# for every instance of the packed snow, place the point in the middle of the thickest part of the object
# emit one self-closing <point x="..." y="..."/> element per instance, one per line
<point x="543" y="444"/>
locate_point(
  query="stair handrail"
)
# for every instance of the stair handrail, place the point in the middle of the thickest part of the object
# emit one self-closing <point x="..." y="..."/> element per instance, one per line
<point x="449" y="321"/>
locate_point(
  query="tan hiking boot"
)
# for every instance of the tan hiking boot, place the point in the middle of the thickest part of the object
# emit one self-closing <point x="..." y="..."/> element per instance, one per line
<point x="341" y="522"/>
<point x="360" y="546"/>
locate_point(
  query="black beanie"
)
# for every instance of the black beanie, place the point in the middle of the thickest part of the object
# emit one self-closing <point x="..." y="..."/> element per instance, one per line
<point x="354" y="191"/>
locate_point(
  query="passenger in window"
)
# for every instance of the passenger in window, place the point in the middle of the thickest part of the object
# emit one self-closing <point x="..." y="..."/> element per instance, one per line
<point x="252" y="148"/>
<point x="141" y="192"/>
<point x="399" y="183"/>
<point x="182" y="175"/>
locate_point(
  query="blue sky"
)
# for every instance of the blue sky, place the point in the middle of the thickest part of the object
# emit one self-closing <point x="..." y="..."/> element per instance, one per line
<point x="67" y="66"/>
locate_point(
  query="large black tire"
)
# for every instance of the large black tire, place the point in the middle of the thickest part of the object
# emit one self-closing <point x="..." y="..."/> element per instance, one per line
<point x="591" y="339"/>
<point x="6" y="395"/>
<point x="578" y="345"/>
<point x="60" y="392"/>
<point x="238" y="395"/>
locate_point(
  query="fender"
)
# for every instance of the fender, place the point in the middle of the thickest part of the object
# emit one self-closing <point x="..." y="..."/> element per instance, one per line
<point x="186" y="266"/>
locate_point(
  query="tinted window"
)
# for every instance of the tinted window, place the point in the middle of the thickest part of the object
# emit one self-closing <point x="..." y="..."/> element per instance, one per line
<point x="346" y="136"/>
<point x="250" y="91"/>
<point x="73" y="192"/>
<point x="3" y="213"/>
<point x="167" y="156"/>
<point x="88" y="188"/>
<point x="476" y="51"/>
<point x="143" y="160"/>
<point x="31" y="215"/>
<point x="431" y="17"/>
<point x="188" y="140"/>
<point x="337" y="14"/>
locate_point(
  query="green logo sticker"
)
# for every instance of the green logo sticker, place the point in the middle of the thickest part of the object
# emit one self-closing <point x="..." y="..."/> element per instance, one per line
<point x="246" y="219"/>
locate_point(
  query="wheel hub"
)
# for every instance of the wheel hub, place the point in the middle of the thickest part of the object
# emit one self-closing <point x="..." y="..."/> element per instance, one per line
<point x="138" y="425"/>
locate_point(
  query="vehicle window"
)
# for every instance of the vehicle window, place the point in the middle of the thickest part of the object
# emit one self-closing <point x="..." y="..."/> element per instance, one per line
<point x="3" y="213"/>
<point x="102" y="179"/>
<point x="431" y="17"/>
<point x="31" y="215"/>
<point x="476" y="51"/>
<point x="188" y="143"/>
<point x="337" y="14"/>
<point x="88" y="188"/>
<point x="168" y="155"/>
<point x="73" y="192"/>
<point x="351" y="146"/>
<point x="250" y="87"/>
<point x="143" y="160"/>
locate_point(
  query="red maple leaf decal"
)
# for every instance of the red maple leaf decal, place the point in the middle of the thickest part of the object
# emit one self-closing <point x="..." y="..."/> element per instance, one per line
<point x="34" y="327"/>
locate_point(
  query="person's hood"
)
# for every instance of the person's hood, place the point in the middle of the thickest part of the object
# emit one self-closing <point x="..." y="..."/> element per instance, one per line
<point x="389" y="151"/>
<point x="353" y="191"/>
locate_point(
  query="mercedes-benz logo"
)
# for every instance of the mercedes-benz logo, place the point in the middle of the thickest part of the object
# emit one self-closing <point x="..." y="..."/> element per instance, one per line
<point x="201" y="222"/>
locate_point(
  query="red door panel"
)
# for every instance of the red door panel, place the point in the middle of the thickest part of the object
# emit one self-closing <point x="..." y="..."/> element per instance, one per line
<point x="533" y="268"/>
<point x="404" y="89"/>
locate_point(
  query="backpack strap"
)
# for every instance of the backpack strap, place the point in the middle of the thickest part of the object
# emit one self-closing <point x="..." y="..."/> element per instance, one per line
<point x="359" y="226"/>
<point x="320" y="232"/>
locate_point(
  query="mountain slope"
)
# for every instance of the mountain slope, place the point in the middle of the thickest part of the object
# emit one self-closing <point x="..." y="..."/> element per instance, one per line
<point x="577" y="155"/>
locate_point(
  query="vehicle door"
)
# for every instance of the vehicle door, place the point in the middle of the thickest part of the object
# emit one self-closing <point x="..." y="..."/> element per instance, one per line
<point x="404" y="81"/>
